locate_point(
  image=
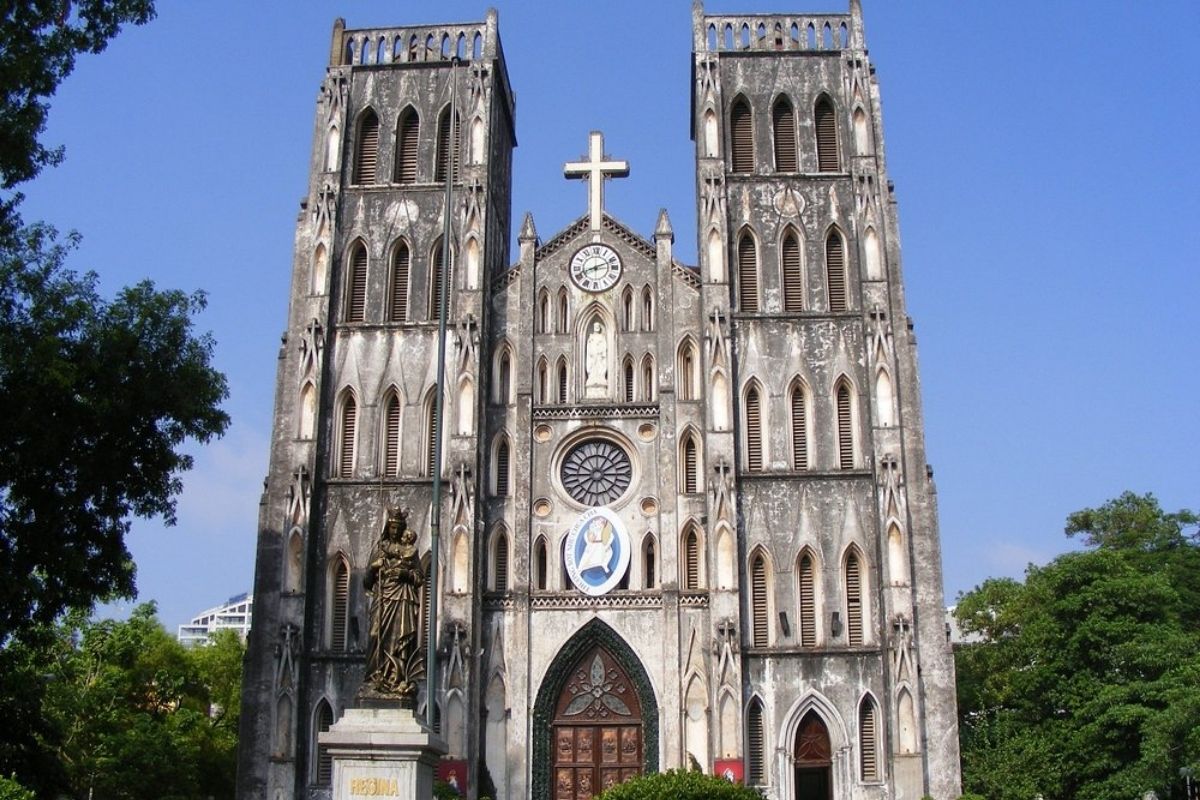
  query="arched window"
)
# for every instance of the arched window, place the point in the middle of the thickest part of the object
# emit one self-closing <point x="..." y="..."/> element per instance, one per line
<point x="398" y="305"/>
<point x="436" y="280"/>
<point x="756" y="756"/>
<point x="854" y="600"/>
<point x="477" y="136"/>
<point x="754" y="441"/>
<point x="647" y="309"/>
<point x="562" y="381"/>
<point x="862" y="138"/>
<point x="783" y="121"/>
<point x="347" y="436"/>
<point x="356" y="284"/>
<point x="845" y="426"/>
<point x="747" y="255"/>
<point x="835" y="271"/>
<point x="741" y="129"/>
<point x="320" y="267"/>
<point x="648" y="380"/>
<point x="827" y="140"/>
<point x="868" y="740"/>
<point x="688" y="375"/>
<point x="806" y="591"/>
<point x="544" y="312"/>
<point x="408" y="133"/>
<point x="716" y="258"/>
<point x="689" y="460"/>
<point x="367" y="153"/>
<point x="391" y="435"/>
<point x="500" y="562"/>
<point x="501" y="477"/>
<point x="759" y="601"/>
<point x="627" y="309"/>
<point x="541" y="557"/>
<point x="627" y="387"/>
<point x="793" y="275"/>
<point x="308" y="411"/>
<point x="649" y="563"/>
<point x="324" y="761"/>
<point x="564" y="311"/>
<point x="443" y="146"/>
<point x="503" y="393"/>
<point x="906" y="722"/>
<point x="710" y="133"/>
<point x="431" y="449"/>
<point x="799" y="403"/>
<point x="339" y="603"/>
<point x="543" y="380"/>
<point x="691" y="559"/>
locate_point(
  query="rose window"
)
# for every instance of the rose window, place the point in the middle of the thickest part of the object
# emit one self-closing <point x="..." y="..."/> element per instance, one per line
<point x="596" y="472"/>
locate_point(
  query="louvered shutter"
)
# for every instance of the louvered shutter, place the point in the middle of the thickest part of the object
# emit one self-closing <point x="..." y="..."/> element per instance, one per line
<point x="742" y="129"/>
<point x="435" y="282"/>
<point x="562" y="383"/>
<point x="755" y="754"/>
<point x="799" y="430"/>
<point x="356" y="301"/>
<point x="754" y="454"/>
<point x="845" y="428"/>
<point x="502" y="457"/>
<point x="500" y="575"/>
<point x="628" y="381"/>
<point x="324" y="759"/>
<point x="391" y="441"/>
<point x="398" y="310"/>
<point x="808" y="609"/>
<point x="348" y="439"/>
<point x="758" y="599"/>
<point x="431" y="465"/>
<point x="835" y="272"/>
<point x="443" y="146"/>
<point x="341" y="605"/>
<point x="406" y="148"/>
<point x="784" y="123"/>
<point x="747" y="275"/>
<point x="854" y="611"/>
<point x="691" y="578"/>
<point x="504" y="384"/>
<point x="793" y="280"/>
<point x="827" y="143"/>
<point x="690" y="468"/>
<point x="368" y="149"/>
<point x="867" y="733"/>
<point x="423" y="640"/>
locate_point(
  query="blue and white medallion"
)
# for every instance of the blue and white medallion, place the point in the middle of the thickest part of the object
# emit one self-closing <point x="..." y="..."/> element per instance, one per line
<point x="597" y="551"/>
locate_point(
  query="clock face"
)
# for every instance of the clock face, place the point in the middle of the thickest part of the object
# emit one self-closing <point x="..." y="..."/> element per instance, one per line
<point x="595" y="268"/>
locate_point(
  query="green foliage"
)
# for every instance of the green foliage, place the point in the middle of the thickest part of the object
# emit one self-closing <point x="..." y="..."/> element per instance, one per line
<point x="11" y="790"/>
<point x="1087" y="683"/>
<point x="444" y="791"/>
<point x="679" y="785"/>
<point x="130" y="713"/>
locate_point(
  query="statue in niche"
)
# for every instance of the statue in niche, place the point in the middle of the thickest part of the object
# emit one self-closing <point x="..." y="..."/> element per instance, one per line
<point x="596" y="351"/>
<point x="394" y="579"/>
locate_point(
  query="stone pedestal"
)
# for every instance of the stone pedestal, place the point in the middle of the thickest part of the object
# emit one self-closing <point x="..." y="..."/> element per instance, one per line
<point x="382" y="752"/>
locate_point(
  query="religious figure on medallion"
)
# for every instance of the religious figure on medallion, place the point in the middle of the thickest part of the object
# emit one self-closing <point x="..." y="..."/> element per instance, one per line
<point x="394" y="579"/>
<point x="596" y="351"/>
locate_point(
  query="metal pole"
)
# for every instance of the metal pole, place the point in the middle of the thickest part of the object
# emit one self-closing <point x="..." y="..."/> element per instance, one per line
<point x="435" y="516"/>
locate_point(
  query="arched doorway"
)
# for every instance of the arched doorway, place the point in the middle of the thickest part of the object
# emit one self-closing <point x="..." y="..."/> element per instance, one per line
<point x="813" y="760"/>
<point x="595" y="720"/>
<point x="597" y="728"/>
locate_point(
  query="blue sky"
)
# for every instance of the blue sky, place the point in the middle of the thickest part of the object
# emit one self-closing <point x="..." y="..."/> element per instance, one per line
<point x="1046" y="172"/>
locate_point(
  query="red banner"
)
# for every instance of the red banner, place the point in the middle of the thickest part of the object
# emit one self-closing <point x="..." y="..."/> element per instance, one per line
<point x="453" y="771"/>
<point x="730" y="769"/>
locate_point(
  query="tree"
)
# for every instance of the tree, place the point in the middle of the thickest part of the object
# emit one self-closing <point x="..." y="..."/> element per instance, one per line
<point x="678" y="784"/>
<point x="1087" y="681"/>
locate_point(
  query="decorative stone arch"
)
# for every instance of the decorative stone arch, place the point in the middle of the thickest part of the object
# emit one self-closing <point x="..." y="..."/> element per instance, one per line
<point x="687" y="369"/>
<point x="594" y="633"/>
<point x="540" y="579"/>
<point x="333" y="148"/>
<point x="885" y="399"/>
<point x="792" y="275"/>
<point x="873" y="254"/>
<point x="847" y="419"/>
<point x="460" y="562"/>
<point x="647" y="309"/>
<point x="869" y="739"/>
<point x="651" y="576"/>
<point x="692" y="527"/>
<point x="500" y="476"/>
<point x="628" y="314"/>
<point x="391" y="432"/>
<point x="711" y="133"/>
<point x="748" y="255"/>
<point x="768" y="595"/>
<point x="839" y="743"/>
<point x="690" y="460"/>
<point x="478" y="131"/>
<point x="755" y="426"/>
<point x="293" y="561"/>
<point x="472" y="262"/>
<point x="323" y="716"/>
<point x="854" y="549"/>
<point x="714" y="250"/>
<point x="504" y="374"/>
<point x="499" y="559"/>
<point x="697" y="717"/>
<point x="308" y="411"/>
<point x="862" y="132"/>
<point x="593" y="312"/>
<point x="763" y="750"/>
<point x="800" y="423"/>
<point x="348" y="411"/>
<point x="466" y="406"/>
<point x="320" y="269"/>
<point x="809" y="616"/>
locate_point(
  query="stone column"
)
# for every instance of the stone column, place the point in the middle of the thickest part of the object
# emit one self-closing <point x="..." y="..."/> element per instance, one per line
<point x="382" y="752"/>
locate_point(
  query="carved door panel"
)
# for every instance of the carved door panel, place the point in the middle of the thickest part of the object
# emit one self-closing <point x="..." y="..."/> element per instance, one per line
<point x="597" y="729"/>
<point x="813" y="759"/>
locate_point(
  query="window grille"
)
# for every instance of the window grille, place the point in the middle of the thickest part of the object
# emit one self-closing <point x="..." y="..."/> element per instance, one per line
<point x="784" y="122"/>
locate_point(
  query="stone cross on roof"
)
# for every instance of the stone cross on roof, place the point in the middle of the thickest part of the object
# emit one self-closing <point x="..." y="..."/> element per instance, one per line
<point x="595" y="171"/>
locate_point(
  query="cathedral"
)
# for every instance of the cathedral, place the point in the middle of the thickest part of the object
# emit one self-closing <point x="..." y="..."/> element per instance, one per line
<point x="669" y="515"/>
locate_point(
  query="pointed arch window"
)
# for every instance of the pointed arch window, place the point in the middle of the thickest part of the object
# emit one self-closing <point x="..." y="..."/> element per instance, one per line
<point x="356" y="284"/>
<point x="627" y="309"/>
<point x="431" y="420"/>
<point x="562" y="381"/>
<point x="500" y="562"/>
<point x="437" y="280"/>
<point x="793" y="275"/>
<point x="754" y="441"/>
<point x="647" y="309"/>
<point x="691" y="559"/>
<point x="799" y="405"/>
<point x="688" y="375"/>
<point x="756" y="765"/>
<point x="408" y="133"/>
<point x="827" y="140"/>
<point x="391" y="436"/>
<point x="759" y="601"/>
<point x="347" y="436"/>
<point x="835" y="271"/>
<point x="783" y="121"/>
<point x="541" y="567"/>
<point x="504" y="378"/>
<point x="854" y="600"/>
<point x="747" y="255"/>
<point x="443" y="146"/>
<point x="324" y="761"/>
<point x="398" y="302"/>
<point x="543" y="373"/>
<point x="648" y="380"/>
<point x="503" y="457"/>
<point x="845" y="426"/>
<point x="741" y="129"/>
<point x="868" y="740"/>
<point x="627" y="379"/>
<point x="544" y="312"/>
<point x="366" y="158"/>
<point x="649" y="563"/>
<point x="690" y="461"/>
<point x="339" y="605"/>
<point x="807" y="612"/>
<point x="564" y="312"/>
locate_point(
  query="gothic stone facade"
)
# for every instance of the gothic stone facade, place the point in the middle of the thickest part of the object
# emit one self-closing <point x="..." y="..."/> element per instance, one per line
<point x="751" y="425"/>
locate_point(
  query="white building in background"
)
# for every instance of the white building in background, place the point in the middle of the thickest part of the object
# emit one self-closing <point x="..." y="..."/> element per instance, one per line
<point x="233" y="614"/>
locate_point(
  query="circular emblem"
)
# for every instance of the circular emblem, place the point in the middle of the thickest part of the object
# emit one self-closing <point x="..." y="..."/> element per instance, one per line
<point x="597" y="551"/>
<point x="595" y="268"/>
<point x="596" y="472"/>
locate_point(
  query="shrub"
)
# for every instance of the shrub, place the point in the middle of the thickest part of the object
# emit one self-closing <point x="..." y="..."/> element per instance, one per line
<point x="679" y="785"/>
<point x="11" y="790"/>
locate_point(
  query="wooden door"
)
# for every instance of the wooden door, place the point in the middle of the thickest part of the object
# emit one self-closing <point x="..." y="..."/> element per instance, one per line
<point x="813" y="758"/>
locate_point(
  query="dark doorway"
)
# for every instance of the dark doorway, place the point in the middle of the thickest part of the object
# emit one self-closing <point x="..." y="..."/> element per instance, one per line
<point x="814" y="764"/>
